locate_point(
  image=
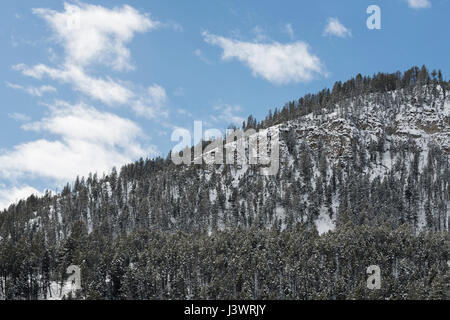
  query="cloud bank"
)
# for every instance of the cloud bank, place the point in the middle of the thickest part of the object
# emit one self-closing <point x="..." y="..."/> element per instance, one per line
<point x="86" y="140"/>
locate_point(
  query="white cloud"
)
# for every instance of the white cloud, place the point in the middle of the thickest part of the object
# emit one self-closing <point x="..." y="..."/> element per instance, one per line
<point x="107" y="91"/>
<point x="78" y="139"/>
<point x="157" y="94"/>
<point x="150" y="105"/>
<point x="419" y="4"/>
<point x="184" y="112"/>
<point x="17" y="41"/>
<point x="179" y="92"/>
<point x="92" y="33"/>
<point x="260" y="34"/>
<point x="19" y="117"/>
<point x="201" y="56"/>
<point x="228" y="114"/>
<point x="175" y="26"/>
<point x="275" y="62"/>
<point x="335" y="28"/>
<point x="34" y="91"/>
<point x="14" y="194"/>
<point x="289" y="30"/>
<point x="87" y="141"/>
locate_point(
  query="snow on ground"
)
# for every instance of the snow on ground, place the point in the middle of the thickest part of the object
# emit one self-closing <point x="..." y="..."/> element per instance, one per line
<point x="324" y="224"/>
<point x="58" y="292"/>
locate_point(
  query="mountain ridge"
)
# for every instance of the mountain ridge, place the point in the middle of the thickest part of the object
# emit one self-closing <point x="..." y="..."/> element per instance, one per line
<point x="377" y="124"/>
<point x="358" y="176"/>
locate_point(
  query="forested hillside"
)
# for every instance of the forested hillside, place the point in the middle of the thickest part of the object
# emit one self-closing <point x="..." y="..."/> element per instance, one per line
<point x="364" y="179"/>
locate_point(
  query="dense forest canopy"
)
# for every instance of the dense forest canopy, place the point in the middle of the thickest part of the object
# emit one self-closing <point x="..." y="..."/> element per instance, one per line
<point x="357" y="86"/>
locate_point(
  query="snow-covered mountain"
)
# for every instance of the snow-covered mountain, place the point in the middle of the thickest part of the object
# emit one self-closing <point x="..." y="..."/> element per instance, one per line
<point x="369" y="158"/>
<point x="392" y="134"/>
<point x="332" y="166"/>
<point x="389" y="131"/>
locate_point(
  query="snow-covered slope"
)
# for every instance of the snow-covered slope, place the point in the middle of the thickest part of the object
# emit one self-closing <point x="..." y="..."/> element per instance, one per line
<point x="380" y="124"/>
<point x="375" y="158"/>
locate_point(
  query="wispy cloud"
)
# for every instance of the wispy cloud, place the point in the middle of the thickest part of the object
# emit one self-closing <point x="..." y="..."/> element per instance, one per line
<point x="289" y="30"/>
<point x="17" y="41"/>
<point x="107" y="90"/>
<point x="179" y="92"/>
<point x="275" y="62"/>
<point x="228" y="114"/>
<point x="335" y="28"/>
<point x="201" y="56"/>
<point x="172" y="25"/>
<point x="184" y="112"/>
<point x="34" y="91"/>
<point x="20" y="117"/>
<point x="419" y="4"/>
<point x="151" y="105"/>
<point x="260" y="34"/>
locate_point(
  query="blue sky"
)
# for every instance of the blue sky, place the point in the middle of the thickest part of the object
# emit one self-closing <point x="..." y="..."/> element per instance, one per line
<point x="86" y="86"/>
